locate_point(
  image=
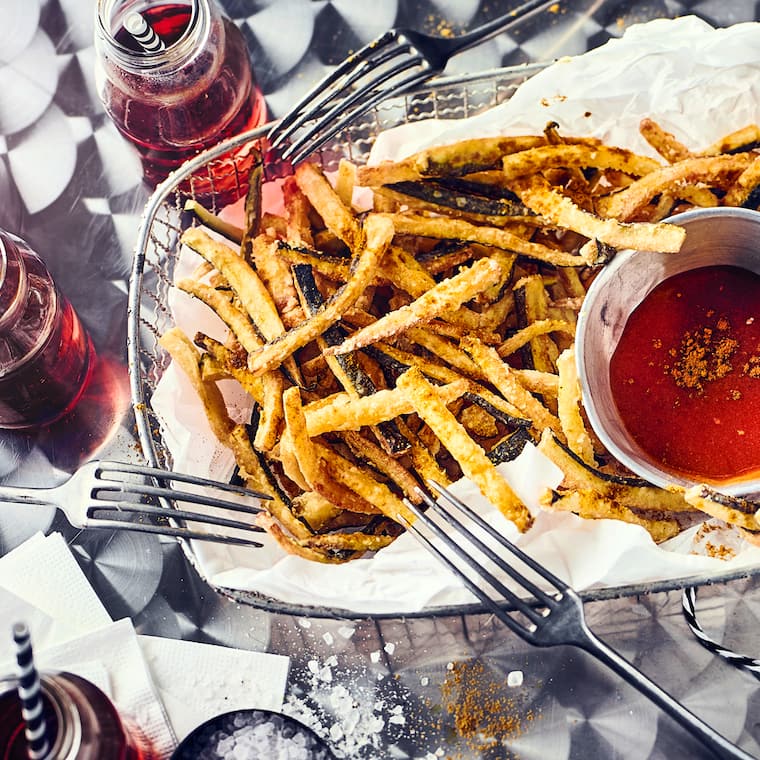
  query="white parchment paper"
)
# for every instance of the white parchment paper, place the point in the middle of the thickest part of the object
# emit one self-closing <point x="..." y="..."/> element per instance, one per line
<point x="699" y="83"/>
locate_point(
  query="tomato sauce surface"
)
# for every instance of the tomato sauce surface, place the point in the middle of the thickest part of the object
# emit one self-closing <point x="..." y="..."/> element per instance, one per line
<point x="686" y="374"/>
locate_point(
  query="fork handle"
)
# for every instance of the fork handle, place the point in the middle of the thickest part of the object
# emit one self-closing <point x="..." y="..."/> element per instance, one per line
<point x="716" y="742"/>
<point x="21" y="495"/>
<point x="493" y="27"/>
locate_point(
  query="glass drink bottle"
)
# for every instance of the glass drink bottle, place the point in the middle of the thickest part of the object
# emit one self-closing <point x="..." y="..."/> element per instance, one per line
<point x="188" y="87"/>
<point x="82" y="723"/>
<point x="46" y="356"/>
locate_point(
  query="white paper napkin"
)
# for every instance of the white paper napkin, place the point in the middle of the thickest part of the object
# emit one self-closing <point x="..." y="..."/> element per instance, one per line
<point x="166" y="687"/>
<point x="220" y="680"/>
<point x="44" y="573"/>
<point x="129" y="686"/>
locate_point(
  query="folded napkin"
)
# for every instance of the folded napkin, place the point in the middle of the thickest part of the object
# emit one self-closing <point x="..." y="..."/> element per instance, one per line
<point x="166" y="687"/>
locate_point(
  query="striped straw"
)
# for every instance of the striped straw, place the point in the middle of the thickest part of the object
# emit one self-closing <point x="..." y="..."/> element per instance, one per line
<point x="30" y="693"/>
<point x="143" y="33"/>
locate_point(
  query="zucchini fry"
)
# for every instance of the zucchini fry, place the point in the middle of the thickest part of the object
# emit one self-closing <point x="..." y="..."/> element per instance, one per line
<point x="443" y="297"/>
<point x="470" y="456"/>
<point x="379" y="235"/>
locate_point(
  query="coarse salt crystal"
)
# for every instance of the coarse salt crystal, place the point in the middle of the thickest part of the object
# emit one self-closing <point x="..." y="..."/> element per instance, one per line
<point x="328" y="638"/>
<point x="331" y="661"/>
<point x="351" y="721"/>
<point x="424" y="681"/>
<point x="304" y="623"/>
<point x="390" y="647"/>
<point x="313" y="666"/>
<point x="346" y="632"/>
<point x="242" y="735"/>
<point x="515" y="678"/>
<point x="375" y="656"/>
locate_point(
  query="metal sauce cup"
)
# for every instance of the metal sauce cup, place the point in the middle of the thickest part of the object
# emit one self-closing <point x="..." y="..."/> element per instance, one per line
<point x="714" y="236"/>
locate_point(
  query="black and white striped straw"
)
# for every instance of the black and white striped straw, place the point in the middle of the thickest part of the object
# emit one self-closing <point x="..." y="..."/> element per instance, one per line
<point x="689" y="609"/>
<point x="30" y="693"/>
<point x="143" y="33"/>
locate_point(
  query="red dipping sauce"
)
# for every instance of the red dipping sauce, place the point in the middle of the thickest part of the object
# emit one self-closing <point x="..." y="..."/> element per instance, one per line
<point x="686" y="374"/>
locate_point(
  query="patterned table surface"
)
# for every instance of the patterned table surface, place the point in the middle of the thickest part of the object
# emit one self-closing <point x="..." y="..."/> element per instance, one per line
<point x="395" y="688"/>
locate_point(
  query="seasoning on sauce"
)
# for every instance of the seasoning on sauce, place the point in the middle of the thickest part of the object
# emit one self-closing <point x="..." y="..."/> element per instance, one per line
<point x="686" y="374"/>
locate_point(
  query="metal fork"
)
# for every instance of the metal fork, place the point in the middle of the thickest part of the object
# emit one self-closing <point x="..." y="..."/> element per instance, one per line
<point x="549" y="618"/>
<point x="395" y="62"/>
<point x="107" y="495"/>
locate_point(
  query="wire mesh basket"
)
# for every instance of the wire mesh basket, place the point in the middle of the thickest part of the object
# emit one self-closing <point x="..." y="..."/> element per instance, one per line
<point x="220" y="175"/>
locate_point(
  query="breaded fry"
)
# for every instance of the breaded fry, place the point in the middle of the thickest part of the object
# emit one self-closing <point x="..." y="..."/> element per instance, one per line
<point x="471" y="457"/>
<point x="441" y="298"/>
<point x="337" y="217"/>
<point x="592" y="505"/>
<point x="569" y="408"/>
<point x="537" y="194"/>
<point x="379" y="233"/>
<point x="663" y="142"/>
<point x="538" y="160"/>
<point x="504" y="379"/>
<point x="713" y="170"/>
<point x="346" y="413"/>
<point x="444" y="228"/>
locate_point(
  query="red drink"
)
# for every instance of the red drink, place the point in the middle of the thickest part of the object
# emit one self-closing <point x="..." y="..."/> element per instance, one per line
<point x="82" y="723"/>
<point x="175" y="102"/>
<point x="45" y="353"/>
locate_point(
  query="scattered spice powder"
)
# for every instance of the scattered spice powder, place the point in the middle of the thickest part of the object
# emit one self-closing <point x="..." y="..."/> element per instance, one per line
<point x="439" y="27"/>
<point x="710" y="548"/>
<point x="704" y="355"/>
<point x="752" y="367"/>
<point x="485" y="714"/>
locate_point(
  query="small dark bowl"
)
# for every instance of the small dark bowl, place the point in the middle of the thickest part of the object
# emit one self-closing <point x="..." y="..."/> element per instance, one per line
<point x="276" y="732"/>
<point x="714" y="236"/>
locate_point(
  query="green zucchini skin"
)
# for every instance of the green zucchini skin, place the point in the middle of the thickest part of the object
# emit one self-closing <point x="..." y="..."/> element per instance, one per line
<point x="388" y="433"/>
<point x="463" y="196"/>
<point x="509" y="447"/>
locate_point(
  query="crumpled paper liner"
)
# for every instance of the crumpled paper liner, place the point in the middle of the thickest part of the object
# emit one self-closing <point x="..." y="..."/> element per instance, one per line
<point x="699" y="83"/>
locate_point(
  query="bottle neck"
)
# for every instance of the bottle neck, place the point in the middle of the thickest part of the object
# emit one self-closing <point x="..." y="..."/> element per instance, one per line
<point x="14" y="285"/>
<point x="181" y="44"/>
<point x="67" y="740"/>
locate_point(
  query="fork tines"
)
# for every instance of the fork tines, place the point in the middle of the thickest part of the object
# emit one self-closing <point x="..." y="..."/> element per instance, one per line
<point x="122" y="468"/>
<point x="373" y="59"/>
<point x="113" y="487"/>
<point x="394" y="63"/>
<point x="534" y="610"/>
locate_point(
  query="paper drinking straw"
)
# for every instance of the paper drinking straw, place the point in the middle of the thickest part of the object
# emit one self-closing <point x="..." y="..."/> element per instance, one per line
<point x="143" y="33"/>
<point x="30" y="693"/>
